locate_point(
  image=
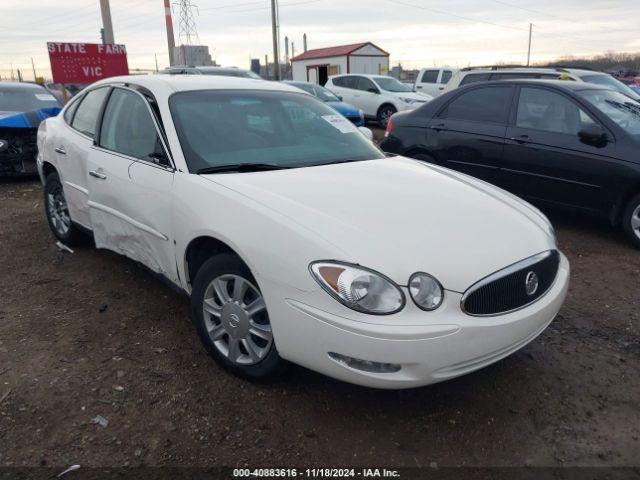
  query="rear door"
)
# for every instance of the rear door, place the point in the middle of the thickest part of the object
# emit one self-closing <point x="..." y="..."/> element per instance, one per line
<point x="545" y="159"/>
<point x="428" y="82"/>
<point x="71" y="146"/>
<point x="468" y="133"/>
<point x="130" y="184"/>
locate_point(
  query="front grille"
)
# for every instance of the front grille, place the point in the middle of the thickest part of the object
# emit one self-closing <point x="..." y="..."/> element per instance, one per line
<point x="506" y="290"/>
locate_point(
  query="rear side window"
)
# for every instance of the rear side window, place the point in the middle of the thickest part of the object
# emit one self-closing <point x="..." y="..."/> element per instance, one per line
<point x="430" y="76"/>
<point x="512" y="75"/>
<point x="475" y="77"/>
<point x="128" y="128"/>
<point x="86" y="116"/>
<point x="488" y="105"/>
<point x="446" y="76"/>
<point x="340" y="81"/>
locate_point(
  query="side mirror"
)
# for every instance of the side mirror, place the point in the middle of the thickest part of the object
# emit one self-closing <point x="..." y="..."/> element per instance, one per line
<point x="593" y="134"/>
<point x="372" y="90"/>
<point x="366" y="132"/>
<point x="339" y="97"/>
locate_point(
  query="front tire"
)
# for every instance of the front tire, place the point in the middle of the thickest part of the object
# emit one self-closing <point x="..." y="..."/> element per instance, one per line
<point x="231" y="317"/>
<point x="384" y="114"/>
<point x="57" y="211"/>
<point x="631" y="220"/>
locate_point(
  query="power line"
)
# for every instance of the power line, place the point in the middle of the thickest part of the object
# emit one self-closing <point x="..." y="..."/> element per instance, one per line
<point x="500" y="2"/>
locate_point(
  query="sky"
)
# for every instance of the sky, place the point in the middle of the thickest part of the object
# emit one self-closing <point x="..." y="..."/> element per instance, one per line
<point x="417" y="33"/>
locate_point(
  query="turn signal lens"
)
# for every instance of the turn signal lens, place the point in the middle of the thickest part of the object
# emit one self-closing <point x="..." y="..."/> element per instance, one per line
<point x="359" y="288"/>
<point x="426" y="291"/>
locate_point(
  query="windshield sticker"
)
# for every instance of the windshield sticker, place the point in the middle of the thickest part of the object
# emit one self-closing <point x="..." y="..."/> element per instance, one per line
<point x="341" y="123"/>
<point x="45" y="97"/>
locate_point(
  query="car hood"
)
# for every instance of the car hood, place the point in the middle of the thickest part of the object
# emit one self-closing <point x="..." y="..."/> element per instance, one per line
<point x="399" y="216"/>
<point x="26" y="119"/>
<point x="344" y="108"/>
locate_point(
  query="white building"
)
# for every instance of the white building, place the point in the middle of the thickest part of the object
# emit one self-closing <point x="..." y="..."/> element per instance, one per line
<point x="317" y="65"/>
<point x="193" y="55"/>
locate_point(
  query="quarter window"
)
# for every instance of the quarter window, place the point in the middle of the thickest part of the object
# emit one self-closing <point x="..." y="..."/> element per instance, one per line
<point x="542" y="109"/>
<point x="488" y="104"/>
<point x="128" y="128"/>
<point x="430" y="76"/>
<point x="71" y="109"/>
<point x="86" y="116"/>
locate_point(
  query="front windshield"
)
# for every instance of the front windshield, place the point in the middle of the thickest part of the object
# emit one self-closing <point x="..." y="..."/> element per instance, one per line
<point x="325" y="95"/>
<point x="390" y="84"/>
<point x="618" y="107"/>
<point x="609" y="81"/>
<point x="26" y="100"/>
<point x="278" y="128"/>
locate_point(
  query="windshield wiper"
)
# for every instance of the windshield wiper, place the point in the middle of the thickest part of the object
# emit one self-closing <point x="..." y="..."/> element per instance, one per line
<point x="241" y="168"/>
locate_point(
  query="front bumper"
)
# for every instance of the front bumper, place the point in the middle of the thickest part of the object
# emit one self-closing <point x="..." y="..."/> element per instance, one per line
<point x="429" y="346"/>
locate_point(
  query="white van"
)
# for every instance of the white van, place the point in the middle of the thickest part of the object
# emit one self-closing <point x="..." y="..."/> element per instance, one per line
<point x="433" y="80"/>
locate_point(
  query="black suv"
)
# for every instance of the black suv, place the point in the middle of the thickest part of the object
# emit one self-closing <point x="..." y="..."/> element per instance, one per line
<point x="559" y="143"/>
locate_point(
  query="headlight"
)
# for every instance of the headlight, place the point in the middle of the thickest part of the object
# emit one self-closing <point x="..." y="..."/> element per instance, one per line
<point x="426" y="291"/>
<point x="408" y="100"/>
<point x="358" y="288"/>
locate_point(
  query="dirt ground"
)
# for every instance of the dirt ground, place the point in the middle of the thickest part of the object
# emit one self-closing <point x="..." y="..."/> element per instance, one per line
<point x="92" y="333"/>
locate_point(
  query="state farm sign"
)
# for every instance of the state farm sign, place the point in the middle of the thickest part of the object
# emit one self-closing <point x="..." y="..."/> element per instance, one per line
<point x="86" y="62"/>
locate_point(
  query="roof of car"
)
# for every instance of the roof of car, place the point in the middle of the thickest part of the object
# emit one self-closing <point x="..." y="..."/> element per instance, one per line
<point x="19" y="86"/>
<point x="563" y="84"/>
<point x="177" y="83"/>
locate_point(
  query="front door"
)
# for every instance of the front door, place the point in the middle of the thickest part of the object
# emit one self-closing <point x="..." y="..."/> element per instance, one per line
<point x="130" y="182"/>
<point x="546" y="160"/>
<point x="468" y="133"/>
<point x="367" y="96"/>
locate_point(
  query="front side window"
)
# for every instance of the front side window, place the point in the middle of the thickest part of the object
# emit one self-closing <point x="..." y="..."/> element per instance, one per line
<point x="618" y="107"/>
<point x="283" y="129"/>
<point x="488" y="105"/>
<point x="86" y="116"/>
<point x="127" y="127"/>
<point x="430" y="76"/>
<point x="366" y="85"/>
<point x="542" y="109"/>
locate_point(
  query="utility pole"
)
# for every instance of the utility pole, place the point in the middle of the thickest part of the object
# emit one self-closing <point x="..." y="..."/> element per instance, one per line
<point x="529" y="50"/>
<point x="171" y="43"/>
<point x="266" y="67"/>
<point x="274" y="29"/>
<point x="156" y="57"/>
<point x="35" y="77"/>
<point x="106" y="22"/>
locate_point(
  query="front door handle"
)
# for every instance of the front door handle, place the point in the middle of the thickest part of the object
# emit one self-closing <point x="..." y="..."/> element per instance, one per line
<point x="438" y="127"/>
<point x="99" y="175"/>
<point x="521" y="139"/>
<point x="60" y="150"/>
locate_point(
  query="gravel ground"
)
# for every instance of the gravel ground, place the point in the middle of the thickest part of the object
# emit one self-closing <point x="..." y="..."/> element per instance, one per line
<point x="93" y="334"/>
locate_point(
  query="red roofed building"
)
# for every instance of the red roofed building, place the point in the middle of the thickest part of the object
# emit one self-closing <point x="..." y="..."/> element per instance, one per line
<point x="317" y="65"/>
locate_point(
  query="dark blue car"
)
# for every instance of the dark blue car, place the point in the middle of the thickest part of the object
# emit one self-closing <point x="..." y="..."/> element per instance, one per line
<point x="347" y="110"/>
<point x="23" y="106"/>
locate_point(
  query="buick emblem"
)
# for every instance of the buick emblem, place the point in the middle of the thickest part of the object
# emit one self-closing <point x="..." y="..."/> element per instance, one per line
<point x="531" y="283"/>
<point x="234" y="320"/>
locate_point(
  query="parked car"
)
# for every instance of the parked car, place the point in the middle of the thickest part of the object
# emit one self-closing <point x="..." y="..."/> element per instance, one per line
<point x="377" y="96"/>
<point x="565" y="144"/>
<point x="355" y="115"/>
<point x="433" y="80"/>
<point x="22" y="107"/>
<point x="222" y="71"/>
<point x="294" y="235"/>
<point x="485" y="74"/>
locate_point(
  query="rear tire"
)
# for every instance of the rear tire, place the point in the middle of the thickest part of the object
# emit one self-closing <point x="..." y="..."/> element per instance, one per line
<point x="57" y="211"/>
<point x="384" y="114"/>
<point x="631" y="220"/>
<point x="231" y="317"/>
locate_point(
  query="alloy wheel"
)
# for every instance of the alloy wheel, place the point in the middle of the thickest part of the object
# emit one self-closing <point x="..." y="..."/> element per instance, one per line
<point x="235" y="316"/>
<point x="635" y="221"/>
<point x="58" y="212"/>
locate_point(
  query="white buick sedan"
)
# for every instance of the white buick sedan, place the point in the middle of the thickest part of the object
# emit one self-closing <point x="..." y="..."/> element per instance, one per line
<point x="295" y="237"/>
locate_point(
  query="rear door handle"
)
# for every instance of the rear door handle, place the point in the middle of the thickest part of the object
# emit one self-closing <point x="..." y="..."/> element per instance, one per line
<point x="60" y="150"/>
<point x="99" y="175"/>
<point x="418" y="86"/>
<point x="521" y="139"/>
